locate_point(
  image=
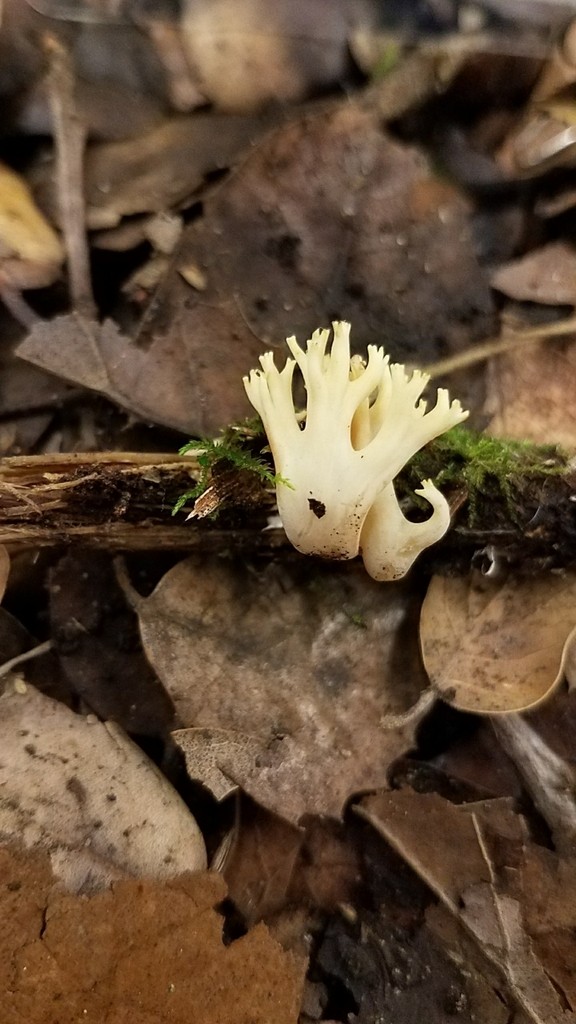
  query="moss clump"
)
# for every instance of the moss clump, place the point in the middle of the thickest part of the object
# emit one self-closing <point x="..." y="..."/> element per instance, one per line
<point x="487" y="468"/>
<point x="241" y="447"/>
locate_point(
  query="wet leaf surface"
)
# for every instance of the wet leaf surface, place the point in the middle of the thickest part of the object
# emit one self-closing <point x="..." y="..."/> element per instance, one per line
<point x="546" y="275"/>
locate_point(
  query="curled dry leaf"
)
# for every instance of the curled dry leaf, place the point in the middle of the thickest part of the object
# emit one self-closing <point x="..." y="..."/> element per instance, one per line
<point x="306" y="662"/>
<point x="156" y="383"/>
<point x="81" y="789"/>
<point x="494" y="647"/>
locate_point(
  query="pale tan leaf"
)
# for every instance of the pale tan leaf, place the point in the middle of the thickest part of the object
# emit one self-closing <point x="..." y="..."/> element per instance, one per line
<point x="215" y="756"/>
<point x="493" y="647"/>
<point x="307" y="660"/>
<point x="247" y="53"/>
<point x="531" y="393"/>
<point x="81" y="789"/>
<point x="546" y="275"/>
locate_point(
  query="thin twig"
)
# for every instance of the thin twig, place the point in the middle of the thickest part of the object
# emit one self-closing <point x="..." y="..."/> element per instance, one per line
<point x="497" y="346"/>
<point x="36" y="652"/>
<point x="16" y="305"/>
<point x="70" y="136"/>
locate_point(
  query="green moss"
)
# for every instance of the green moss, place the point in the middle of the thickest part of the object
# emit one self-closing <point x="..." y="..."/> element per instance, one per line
<point x="485" y="467"/>
<point x="241" y="446"/>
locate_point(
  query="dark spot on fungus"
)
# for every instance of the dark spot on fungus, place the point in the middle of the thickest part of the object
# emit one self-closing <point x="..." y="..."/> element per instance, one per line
<point x="317" y="507"/>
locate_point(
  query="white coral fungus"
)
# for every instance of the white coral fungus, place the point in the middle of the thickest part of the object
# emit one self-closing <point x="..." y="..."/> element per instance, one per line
<point x="363" y="422"/>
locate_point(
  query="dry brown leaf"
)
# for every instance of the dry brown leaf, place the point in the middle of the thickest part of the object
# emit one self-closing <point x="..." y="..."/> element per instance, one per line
<point x="263" y="857"/>
<point x="158" y="384"/>
<point x="495" y="647"/>
<point x="467" y="854"/>
<point x="85" y="792"/>
<point x="551" y="914"/>
<point x="531" y="394"/>
<point x="306" y="659"/>
<point x="330" y="869"/>
<point x="307" y="229"/>
<point x="438" y="839"/>
<point x="303" y="47"/>
<point x="546" y="275"/>
<point x="142" y="952"/>
<point x="156" y="171"/>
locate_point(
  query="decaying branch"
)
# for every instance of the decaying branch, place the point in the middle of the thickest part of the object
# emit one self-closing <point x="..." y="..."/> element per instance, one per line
<point x="124" y="501"/>
<point x="119" y="501"/>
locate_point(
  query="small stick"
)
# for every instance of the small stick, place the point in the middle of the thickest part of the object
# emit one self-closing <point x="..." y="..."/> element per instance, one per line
<point x="16" y="305"/>
<point x="36" y="652"/>
<point x="70" y="136"/>
<point x="497" y="346"/>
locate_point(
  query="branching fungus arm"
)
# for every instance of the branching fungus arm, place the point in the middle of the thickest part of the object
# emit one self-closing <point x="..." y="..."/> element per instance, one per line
<point x="363" y="422"/>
